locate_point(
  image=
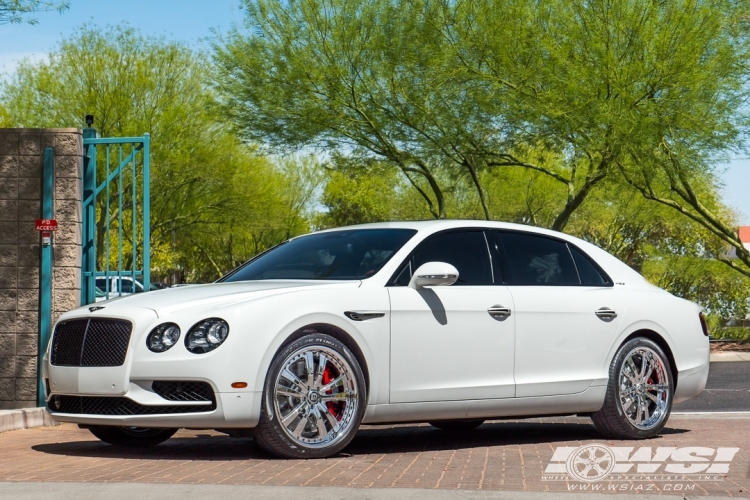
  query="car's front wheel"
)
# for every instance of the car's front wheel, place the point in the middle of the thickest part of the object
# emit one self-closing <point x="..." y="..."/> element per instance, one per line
<point x="639" y="392"/>
<point x="136" y="437"/>
<point x="313" y="400"/>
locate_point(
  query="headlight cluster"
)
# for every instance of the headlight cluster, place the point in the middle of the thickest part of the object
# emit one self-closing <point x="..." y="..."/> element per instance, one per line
<point x="207" y="335"/>
<point x="204" y="336"/>
<point x="163" y="337"/>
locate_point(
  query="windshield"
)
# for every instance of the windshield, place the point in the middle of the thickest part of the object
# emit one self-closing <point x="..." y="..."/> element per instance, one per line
<point x="337" y="255"/>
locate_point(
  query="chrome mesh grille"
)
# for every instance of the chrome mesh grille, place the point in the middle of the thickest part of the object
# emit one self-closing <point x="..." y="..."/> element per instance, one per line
<point x="96" y="405"/>
<point x="90" y="342"/>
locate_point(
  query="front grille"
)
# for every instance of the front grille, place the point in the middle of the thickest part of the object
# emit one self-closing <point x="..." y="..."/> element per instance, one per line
<point x="90" y="342"/>
<point x="95" y="405"/>
<point x="67" y="342"/>
<point x="183" y="391"/>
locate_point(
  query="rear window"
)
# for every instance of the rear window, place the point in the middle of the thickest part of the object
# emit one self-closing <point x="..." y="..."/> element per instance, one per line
<point x="589" y="274"/>
<point x="536" y="260"/>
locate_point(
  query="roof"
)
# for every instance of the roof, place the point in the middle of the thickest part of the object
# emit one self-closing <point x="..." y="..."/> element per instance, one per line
<point x="438" y="224"/>
<point x="744" y="234"/>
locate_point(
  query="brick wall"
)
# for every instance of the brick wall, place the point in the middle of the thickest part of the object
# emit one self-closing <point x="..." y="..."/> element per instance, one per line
<point x="21" y="160"/>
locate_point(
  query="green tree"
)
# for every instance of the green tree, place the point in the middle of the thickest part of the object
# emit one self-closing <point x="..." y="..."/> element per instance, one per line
<point x="444" y="90"/>
<point x="14" y="11"/>
<point x="209" y="190"/>
<point x="363" y="191"/>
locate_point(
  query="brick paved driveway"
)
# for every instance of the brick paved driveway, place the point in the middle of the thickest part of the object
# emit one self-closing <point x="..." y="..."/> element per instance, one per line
<point x="503" y="455"/>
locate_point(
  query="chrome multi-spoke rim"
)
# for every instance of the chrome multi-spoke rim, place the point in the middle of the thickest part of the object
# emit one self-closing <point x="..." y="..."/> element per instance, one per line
<point x="315" y="397"/>
<point x="644" y="388"/>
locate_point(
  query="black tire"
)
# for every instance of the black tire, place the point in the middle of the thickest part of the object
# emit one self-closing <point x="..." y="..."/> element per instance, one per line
<point x="132" y="437"/>
<point x="271" y="435"/>
<point x="462" y="425"/>
<point x="611" y="420"/>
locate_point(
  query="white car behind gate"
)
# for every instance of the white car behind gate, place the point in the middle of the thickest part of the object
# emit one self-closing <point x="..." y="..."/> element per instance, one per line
<point x="447" y="322"/>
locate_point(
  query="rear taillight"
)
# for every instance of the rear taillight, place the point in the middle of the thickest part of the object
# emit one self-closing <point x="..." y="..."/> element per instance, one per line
<point x="703" y="324"/>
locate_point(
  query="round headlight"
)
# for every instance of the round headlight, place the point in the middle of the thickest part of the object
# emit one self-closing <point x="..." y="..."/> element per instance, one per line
<point x="206" y="335"/>
<point x="163" y="337"/>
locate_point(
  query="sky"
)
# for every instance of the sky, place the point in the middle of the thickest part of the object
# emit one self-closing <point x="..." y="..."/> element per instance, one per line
<point x="192" y="21"/>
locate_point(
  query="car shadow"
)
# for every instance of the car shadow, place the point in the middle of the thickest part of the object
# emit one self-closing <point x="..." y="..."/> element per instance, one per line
<point x="370" y="440"/>
<point x="435" y="304"/>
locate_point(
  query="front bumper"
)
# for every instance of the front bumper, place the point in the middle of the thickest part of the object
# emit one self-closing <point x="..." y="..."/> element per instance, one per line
<point x="231" y="411"/>
<point x="125" y="396"/>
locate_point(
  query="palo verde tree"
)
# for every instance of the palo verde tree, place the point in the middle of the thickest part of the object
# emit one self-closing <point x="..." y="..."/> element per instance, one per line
<point x="578" y="91"/>
<point x="653" y="93"/>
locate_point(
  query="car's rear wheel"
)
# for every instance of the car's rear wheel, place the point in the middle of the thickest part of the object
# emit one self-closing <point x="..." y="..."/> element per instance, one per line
<point x="639" y="392"/>
<point x="457" y="425"/>
<point x="135" y="437"/>
<point x="313" y="400"/>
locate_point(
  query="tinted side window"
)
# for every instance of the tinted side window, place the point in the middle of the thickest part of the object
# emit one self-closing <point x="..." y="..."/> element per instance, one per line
<point x="467" y="251"/>
<point x="536" y="260"/>
<point x="586" y="270"/>
<point x="101" y="284"/>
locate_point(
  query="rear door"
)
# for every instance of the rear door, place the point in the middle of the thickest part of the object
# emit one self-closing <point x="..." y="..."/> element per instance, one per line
<point x="567" y="313"/>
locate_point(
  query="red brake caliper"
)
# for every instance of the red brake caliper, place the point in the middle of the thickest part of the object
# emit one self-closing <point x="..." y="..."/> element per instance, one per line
<point x="332" y="407"/>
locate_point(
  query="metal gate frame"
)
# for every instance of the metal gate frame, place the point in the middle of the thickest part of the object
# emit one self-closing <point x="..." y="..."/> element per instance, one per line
<point x="93" y="145"/>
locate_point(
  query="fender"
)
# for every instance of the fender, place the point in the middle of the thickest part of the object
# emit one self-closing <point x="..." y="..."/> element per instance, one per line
<point x="295" y="325"/>
<point x="624" y="333"/>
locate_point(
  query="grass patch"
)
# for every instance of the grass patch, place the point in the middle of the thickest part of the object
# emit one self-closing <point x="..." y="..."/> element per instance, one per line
<point x="739" y="333"/>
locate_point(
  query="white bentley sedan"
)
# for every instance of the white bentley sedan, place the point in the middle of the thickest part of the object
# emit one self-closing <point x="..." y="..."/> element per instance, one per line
<point x="446" y="322"/>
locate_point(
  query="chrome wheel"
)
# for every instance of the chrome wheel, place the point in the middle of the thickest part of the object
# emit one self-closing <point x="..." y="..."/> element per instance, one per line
<point x="315" y="397"/>
<point x="643" y="388"/>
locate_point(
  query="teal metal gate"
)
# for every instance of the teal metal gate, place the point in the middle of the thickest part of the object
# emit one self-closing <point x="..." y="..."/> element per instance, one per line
<point x="116" y="216"/>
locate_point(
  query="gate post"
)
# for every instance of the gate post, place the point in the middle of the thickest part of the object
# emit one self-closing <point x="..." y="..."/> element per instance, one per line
<point x="146" y="213"/>
<point x="88" y="250"/>
<point x="45" y="269"/>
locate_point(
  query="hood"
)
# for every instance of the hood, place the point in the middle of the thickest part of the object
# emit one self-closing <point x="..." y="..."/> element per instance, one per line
<point x="192" y="296"/>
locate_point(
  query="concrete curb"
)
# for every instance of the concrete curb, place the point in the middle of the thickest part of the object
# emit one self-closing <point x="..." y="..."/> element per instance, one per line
<point x="719" y="357"/>
<point x="128" y="491"/>
<point x="11" y="420"/>
<point x="710" y="415"/>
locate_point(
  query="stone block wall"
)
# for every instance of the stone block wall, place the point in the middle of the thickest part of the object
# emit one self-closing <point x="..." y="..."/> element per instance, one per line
<point x="21" y="161"/>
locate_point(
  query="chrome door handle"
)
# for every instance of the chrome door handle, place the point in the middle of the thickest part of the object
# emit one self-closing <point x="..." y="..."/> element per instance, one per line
<point x="498" y="311"/>
<point x="606" y="314"/>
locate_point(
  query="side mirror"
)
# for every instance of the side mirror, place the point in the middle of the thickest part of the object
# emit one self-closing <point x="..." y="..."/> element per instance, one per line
<point x="433" y="274"/>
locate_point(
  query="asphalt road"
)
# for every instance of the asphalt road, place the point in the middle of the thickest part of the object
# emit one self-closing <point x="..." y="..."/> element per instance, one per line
<point x="727" y="389"/>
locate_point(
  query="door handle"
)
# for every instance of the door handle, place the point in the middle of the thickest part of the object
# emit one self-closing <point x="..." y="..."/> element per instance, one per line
<point x="499" y="312"/>
<point x="606" y="314"/>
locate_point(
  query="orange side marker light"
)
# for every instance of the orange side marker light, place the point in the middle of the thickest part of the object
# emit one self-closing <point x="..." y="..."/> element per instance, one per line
<point x="239" y="385"/>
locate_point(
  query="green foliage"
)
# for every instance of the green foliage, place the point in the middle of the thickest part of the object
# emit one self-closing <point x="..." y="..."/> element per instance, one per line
<point x="357" y="193"/>
<point x="739" y="333"/>
<point x="721" y="291"/>
<point x="214" y="201"/>
<point x="578" y="91"/>
<point x="13" y="11"/>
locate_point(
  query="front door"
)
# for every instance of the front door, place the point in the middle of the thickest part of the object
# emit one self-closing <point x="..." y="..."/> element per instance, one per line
<point x="445" y="345"/>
